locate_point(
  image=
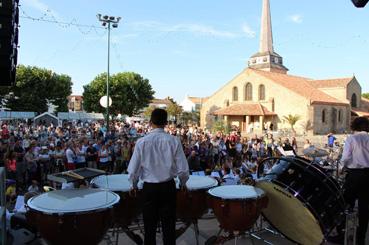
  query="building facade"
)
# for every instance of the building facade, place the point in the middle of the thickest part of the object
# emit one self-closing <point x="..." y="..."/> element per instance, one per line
<point x="264" y="94"/>
<point x="75" y="103"/>
<point x="190" y="104"/>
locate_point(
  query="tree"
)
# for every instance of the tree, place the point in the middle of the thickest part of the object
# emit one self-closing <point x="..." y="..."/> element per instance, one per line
<point x="129" y="91"/>
<point x="190" y="117"/>
<point x="292" y="120"/>
<point x="220" y="126"/>
<point x="35" y="87"/>
<point x="147" y="112"/>
<point x="174" y="110"/>
<point x="365" y="95"/>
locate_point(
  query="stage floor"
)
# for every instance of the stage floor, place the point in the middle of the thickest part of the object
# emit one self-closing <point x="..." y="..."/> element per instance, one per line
<point x="208" y="228"/>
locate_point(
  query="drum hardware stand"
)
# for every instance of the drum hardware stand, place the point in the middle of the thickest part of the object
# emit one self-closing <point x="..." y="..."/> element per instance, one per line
<point x="187" y="224"/>
<point x="117" y="229"/>
<point x="351" y="226"/>
<point x="218" y="239"/>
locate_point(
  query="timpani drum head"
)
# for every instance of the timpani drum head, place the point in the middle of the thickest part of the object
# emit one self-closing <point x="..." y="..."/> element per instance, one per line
<point x="236" y="192"/>
<point x="290" y="216"/>
<point x="196" y="182"/>
<point x="114" y="182"/>
<point x="73" y="201"/>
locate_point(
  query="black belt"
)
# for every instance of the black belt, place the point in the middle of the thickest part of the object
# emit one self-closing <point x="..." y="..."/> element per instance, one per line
<point x="353" y="170"/>
<point x="159" y="183"/>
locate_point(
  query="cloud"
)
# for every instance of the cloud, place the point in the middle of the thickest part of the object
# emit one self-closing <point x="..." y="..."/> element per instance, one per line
<point x="296" y="18"/>
<point x="42" y="7"/>
<point x="197" y="29"/>
<point x="250" y="33"/>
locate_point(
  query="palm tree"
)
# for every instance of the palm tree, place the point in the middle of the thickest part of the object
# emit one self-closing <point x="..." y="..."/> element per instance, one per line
<point x="292" y="120"/>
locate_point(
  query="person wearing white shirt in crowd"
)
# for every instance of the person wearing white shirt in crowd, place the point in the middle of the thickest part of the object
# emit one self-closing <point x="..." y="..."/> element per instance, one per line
<point x="355" y="159"/>
<point x="71" y="156"/>
<point x="157" y="159"/>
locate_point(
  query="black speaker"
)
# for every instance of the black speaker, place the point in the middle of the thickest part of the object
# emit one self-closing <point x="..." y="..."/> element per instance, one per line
<point x="360" y="3"/>
<point x="9" y="18"/>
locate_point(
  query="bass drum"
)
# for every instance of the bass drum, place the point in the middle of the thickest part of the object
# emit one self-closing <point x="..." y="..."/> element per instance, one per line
<point x="305" y="204"/>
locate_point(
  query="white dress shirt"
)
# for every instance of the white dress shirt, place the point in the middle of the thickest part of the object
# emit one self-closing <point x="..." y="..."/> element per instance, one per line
<point x="158" y="157"/>
<point x="356" y="151"/>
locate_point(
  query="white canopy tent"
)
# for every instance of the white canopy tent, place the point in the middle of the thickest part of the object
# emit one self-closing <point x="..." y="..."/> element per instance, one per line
<point x="83" y="116"/>
<point x="11" y="115"/>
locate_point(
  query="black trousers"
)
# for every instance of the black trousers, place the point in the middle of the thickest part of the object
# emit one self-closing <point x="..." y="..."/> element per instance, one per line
<point x="159" y="204"/>
<point x="356" y="188"/>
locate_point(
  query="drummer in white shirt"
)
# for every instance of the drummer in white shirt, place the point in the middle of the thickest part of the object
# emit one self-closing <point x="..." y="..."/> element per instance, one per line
<point x="355" y="158"/>
<point x="157" y="159"/>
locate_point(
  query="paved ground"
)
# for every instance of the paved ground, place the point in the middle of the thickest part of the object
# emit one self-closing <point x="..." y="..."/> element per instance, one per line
<point x="208" y="228"/>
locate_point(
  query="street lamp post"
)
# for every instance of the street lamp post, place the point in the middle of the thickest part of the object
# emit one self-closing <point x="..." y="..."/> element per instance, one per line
<point x="108" y="22"/>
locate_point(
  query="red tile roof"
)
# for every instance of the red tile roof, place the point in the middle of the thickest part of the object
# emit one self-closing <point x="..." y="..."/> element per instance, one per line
<point x="255" y="109"/>
<point x="300" y="86"/>
<point x="160" y="101"/>
<point x="198" y="100"/>
<point x="361" y="113"/>
<point x="331" y="83"/>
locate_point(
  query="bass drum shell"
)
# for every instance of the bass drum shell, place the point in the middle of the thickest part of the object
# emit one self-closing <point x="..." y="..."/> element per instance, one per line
<point x="305" y="203"/>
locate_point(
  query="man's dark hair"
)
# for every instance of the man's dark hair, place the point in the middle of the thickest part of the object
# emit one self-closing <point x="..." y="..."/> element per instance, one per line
<point x="360" y="124"/>
<point x="159" y="117"/>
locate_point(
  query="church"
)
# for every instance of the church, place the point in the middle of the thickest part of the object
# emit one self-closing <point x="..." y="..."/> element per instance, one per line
<point x="264" y="93"/>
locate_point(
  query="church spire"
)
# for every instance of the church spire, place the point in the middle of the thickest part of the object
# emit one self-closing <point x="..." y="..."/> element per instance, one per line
<point x="266" y="35"/>
<point x="266" y="59"/>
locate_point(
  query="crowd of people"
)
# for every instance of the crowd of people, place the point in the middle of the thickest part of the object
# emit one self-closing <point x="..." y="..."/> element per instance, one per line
<point x="29" y="153"/>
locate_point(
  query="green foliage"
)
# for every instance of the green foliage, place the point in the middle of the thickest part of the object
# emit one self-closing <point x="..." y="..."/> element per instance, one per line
<point x="147" y="112"/>
<point x="174" y="109"/>
<point x="190" y="117"/>
<point x="123" y="87"/>
<point x="35" y="87"/>
<point x="292" y="120"/>
<point x="220" y="126"/>
<point x="365" y="95"/>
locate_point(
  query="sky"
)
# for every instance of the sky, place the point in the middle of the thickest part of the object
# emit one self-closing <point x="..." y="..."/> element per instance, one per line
<point x="193" y="47"/>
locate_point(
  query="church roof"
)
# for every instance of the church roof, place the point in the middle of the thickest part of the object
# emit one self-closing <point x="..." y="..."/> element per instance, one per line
<point x="360" y="112"/>
<point x="197" y="100"/>
<point x="331" y="83"/>
<point x="254" y="109"/>
<point x="300" y="86"/>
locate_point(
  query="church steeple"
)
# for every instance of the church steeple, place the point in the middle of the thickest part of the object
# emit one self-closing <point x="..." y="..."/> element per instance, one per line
<point x="266" y="59"/>
<point x="266" y="34"/>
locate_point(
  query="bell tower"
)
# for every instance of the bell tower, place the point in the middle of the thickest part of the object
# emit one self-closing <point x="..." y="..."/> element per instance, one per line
<point x="266" y="59"/>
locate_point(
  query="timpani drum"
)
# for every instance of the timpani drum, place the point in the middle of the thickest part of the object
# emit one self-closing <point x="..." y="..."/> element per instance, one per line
<point x="80" y="216"/>
<point x="192" y="204"/>
<point x="237" y="207"/>
<point x="305" y="203"/>
<point x="129" y="206"/>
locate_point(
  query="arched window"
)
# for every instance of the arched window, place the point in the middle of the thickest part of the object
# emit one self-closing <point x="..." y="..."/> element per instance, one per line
<point x="261" y="92"/>
<point x="340" y="114"/>
<point x="324" y="115"/>
<point x="248" y="91"/>
<point x="235" y="94"/>
<point x="353" y="100"/>
<point x="226" y="103"/>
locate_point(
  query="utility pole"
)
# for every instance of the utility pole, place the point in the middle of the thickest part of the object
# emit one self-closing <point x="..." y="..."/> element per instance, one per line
<point x="108" y="22"/>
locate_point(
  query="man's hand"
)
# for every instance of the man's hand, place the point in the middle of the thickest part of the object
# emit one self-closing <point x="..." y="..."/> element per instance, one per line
<point x="183" y="188"/>
<point x="133" y="192"/>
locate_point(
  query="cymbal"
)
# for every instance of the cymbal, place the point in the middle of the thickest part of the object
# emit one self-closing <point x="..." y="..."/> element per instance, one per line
<point x="315" y="152"/>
